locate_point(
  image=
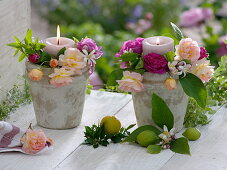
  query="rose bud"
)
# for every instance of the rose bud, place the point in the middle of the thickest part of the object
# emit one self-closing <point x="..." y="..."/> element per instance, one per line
<point x="35" y="75"/>
<point x="171" y="84"/>
<point x="53" y="63"/>
<point x="33" y="58"/>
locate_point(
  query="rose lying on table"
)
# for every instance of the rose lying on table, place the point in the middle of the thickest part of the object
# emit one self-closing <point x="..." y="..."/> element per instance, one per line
<point x="31" y="142"/>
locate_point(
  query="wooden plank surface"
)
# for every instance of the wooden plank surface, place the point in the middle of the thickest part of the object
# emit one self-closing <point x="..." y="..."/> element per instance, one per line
<point x="14" y="20"/>
<point x="97" y="105"/>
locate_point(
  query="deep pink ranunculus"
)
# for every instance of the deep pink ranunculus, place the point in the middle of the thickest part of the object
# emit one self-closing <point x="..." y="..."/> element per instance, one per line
<point x="89" y="45"/>
<point x="33" y="58"/>
<point x="203" y="53"/>
<point x="134" y="46"/>
<point x="155" y="63"/>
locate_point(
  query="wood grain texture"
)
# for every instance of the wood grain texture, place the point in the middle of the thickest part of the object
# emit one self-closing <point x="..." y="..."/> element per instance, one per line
<point x="97" y="105"/>
<point x="14" y="20"/>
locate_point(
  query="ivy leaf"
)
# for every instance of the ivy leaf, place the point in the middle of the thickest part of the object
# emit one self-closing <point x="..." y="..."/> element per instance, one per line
<point x="195" y="88"/>
<point x="169" y="56"/>
<point x="181" y="146"/>
<point x="179" y="34"/>
<point x="115" y="75"/>
<point x="161" y="114"/>
<point x="154" y="149"/>
<point x="21" y="57"/>
<point x="135" y="133"/>
<point x="129" y="56"/>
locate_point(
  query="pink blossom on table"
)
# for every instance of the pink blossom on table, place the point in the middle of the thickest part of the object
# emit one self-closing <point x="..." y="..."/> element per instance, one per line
<point x="73" y="60"/>
<point x="131" y="82"/>
<point x="34" y="141"/>
<point x="203" y="53"/>
<point x="33" y="58"/>
<point x="155" y="63"/>
<point x="222" y="50"/>
<point x="134" y="46"/>
<point x="61" y="77"/>
<point x="95" y="81"/>
<point x="188" y="49"/>
<point x="202" y="69"/>
<point x="195" y="16"/>
<point x="89" y="45"/>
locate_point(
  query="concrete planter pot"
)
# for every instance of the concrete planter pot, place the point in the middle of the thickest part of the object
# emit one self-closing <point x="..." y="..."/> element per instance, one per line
<point x="58" y="108"/>
<point x="176" y="99"/>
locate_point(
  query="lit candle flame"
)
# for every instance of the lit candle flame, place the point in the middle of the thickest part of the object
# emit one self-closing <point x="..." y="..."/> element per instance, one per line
<point x="158" y="41"/>
<point x="58" y="34"/>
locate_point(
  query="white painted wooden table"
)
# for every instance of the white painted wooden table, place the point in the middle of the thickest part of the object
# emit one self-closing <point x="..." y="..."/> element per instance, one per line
<point x="208" y="153"/>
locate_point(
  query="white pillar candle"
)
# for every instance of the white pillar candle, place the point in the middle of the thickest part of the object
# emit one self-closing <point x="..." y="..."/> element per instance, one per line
<point x="55" y="44"/>
<point x="158" y="44"/>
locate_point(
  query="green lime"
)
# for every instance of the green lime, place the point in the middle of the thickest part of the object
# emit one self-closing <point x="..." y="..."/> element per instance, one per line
<point x="146" y="138"/>
<point x="111" y="125"/>
<point x="192" y="133"/>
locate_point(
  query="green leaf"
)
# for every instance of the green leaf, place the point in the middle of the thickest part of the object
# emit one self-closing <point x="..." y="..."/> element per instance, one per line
<point x="169" y="56"/>
<point x="161" y="114"/>
<point x="154" y="149"/>
<point x="135" y="133"/>
<point x="129" y="56"/>
<point x="225" y="41"/>
<point x="44" y="57"/>
<point x="15" y="45"/>
<point x="61" y="51"/>
<point x="140" y="65"/>
<point x="16" y="39"/>
<point x="16" y="51"/>
<point x="195" y="88"/>
<point x="130" y="127"/>
<point x="115" y="75"/>
<point x="179" y="34"/>
<point x="181" y="146"/>
<point x="21" y="57"/>
<point x="28" y="37"/>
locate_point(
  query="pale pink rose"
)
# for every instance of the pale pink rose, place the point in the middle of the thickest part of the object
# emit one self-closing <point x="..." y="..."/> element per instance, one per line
<point x="73" y="60"/>
<point x="202" y="69"/>
<point x="53" y="63"/>
<point x="35" y="75"/>
<point x="131" y="82"/>
<point x="188" y="49"/>
<point x="170" y="83"/>
<point x="33" y="141"/>
<point x="61" y="77"/>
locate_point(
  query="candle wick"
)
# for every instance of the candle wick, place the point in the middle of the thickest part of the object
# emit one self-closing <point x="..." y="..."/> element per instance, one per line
<point x="58" y="41"/>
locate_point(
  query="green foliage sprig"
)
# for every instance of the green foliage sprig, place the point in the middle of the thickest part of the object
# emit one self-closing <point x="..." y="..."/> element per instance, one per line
<point x="27" y="46"/>
<point x="95" y="135"/>
<point x="14" y="99"/>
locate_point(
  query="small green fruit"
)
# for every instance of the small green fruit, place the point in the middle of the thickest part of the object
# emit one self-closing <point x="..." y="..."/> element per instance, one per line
<point x="192" y="133"/>
<point x="146" y="138"/>
<point x="111" y="125"/>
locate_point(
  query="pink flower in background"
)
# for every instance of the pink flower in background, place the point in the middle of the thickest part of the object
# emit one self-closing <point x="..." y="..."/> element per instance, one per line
<point x="139" y="27"/>
<point x="33" y="141"/>
<point x="195" y="16"/>
<point x="222" y="50"/>
<point x="203" y="53"/>
<point x="124" y="65"/>
<point x="188" y="49"/>
<point x="33" y="58"/>
<point x="61" y="77"/>
<point x="155" y="63"/>
<point x="131" y="82"/>
<point x="134" y="46"/>
<point x="95" y="81"/>
<point x="89" y="45"/>
<point x="202" y="69"/>
<point x="73" y="60"/>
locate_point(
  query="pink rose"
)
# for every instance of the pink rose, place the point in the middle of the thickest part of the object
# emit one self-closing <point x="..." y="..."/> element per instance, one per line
<point x="131" y="82"/>
<point x="35" y="75"/>
<point x="155" y="63"/>
<point x="33" y="58"/>
<point x="188" y="49"/>
<point x="33" y="141"/>
<point x="134" y="46"/>
<point x="222" y="50"/>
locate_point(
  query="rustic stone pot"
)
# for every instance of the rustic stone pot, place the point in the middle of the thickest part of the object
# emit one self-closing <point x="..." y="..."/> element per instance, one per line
<point x="176" y="99"/>
<point x="58" y="108"/>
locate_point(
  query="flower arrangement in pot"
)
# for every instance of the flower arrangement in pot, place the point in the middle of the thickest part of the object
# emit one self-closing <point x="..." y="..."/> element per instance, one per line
<point x="58" y="69"/>
<point x="151" y="67"/>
